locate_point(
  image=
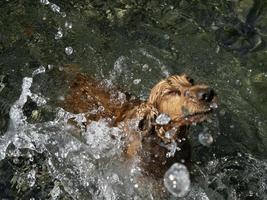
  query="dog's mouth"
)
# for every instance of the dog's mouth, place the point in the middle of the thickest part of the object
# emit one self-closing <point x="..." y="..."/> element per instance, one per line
<point x="197" y="116"/>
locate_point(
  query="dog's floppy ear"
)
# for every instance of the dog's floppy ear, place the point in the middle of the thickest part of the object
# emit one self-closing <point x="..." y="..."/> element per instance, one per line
<point x="148" y="117"/>
<point x="158" y="91"/>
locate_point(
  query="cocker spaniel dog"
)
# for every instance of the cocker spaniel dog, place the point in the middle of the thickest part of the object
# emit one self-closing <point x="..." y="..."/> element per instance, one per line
<point x="156" y="128"/>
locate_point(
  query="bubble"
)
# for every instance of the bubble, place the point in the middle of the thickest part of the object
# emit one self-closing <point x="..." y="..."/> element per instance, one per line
<point x="163" y="119"/>
<point x="136" y="81"/>
<point x="45" y="2"/>
<point x="177" y="180"/>
<point x="205" y="139"/>
<point x="68" y="25"/>
<point x="55" y="8"/>
<point x="145" y="67"/>
<point x="68" y="50"/>
<point x="59" y="34"/>
<point x="63" y="14"/>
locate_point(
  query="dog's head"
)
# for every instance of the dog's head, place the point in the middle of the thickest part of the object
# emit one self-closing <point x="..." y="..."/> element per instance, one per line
<point x="184" y="101"/>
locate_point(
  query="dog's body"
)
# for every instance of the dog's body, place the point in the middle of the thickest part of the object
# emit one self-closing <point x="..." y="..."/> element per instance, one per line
<point x="176" y="96"/>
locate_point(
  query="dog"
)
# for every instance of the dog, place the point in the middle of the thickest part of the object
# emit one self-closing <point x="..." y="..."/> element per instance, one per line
<point x="177" y="98"/>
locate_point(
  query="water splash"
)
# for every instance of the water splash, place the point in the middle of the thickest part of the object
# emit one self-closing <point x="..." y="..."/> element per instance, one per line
<point x="68" y="25"/>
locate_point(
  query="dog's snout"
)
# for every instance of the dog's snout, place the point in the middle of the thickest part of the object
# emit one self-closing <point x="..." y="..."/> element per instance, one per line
<point x="205" y="94"/>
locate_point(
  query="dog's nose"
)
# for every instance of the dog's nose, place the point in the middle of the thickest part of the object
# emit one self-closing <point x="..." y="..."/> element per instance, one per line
<point x="205" y="94"/>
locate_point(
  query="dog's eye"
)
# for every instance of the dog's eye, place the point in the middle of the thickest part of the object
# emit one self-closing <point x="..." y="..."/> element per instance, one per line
<point x="190" y="80"/>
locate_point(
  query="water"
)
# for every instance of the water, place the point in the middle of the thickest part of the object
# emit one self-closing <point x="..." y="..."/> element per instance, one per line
<point x="132" y="45"/>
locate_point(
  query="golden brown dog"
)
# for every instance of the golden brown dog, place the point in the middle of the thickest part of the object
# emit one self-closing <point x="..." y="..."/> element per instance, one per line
<point x="176" y="96"/>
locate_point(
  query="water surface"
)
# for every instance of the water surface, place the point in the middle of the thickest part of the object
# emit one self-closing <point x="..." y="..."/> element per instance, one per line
<point x="132" y="44"/>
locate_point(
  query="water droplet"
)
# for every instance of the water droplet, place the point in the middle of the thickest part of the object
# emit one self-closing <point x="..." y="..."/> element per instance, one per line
<point x="172" y="147"/>
<point x="60" y="68"/>
<point x="169" y="134"/>
<point x="176" y="180"/>
<point x="55" y="8"/>
<point x="45" y="2"/>
<point x="50" y="67"/>
<point x="68" y="25"/>
<point x="217" y="49"/>
<point x="136" y="81"/>
<point x="213" y="105"/>
<point x="163" y="119"/>
<point x="59" y="34"/>
<point x="238" y="82"/>
<point x="68" y="50"/>
<point x="205" y="139"/>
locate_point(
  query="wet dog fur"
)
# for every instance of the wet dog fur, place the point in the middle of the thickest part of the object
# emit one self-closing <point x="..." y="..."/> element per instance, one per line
<point x="177" y="96"/>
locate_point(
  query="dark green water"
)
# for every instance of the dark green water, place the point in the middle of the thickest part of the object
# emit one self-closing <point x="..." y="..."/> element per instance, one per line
<point x="134" y="44"/>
